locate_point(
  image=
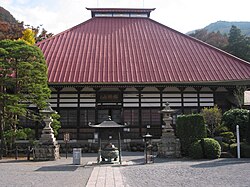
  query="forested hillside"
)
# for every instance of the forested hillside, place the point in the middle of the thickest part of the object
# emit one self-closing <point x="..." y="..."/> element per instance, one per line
<point x="225" y="26"/>
<point x="10" y="28"/>
<point x="235" y="42"/>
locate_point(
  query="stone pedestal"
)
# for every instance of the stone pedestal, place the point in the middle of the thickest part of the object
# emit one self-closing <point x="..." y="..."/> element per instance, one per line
<point x="169" y="145"/>
<point x="48" y="148"/>
<point x="46" y="152"/>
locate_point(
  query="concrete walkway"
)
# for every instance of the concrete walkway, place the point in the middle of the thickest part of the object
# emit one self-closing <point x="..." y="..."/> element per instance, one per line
<point x="105" y="176"/>
<point x="109" y="175"/>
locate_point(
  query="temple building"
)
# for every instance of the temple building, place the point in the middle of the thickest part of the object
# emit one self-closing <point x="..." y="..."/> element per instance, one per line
<point x="121" y="63"/>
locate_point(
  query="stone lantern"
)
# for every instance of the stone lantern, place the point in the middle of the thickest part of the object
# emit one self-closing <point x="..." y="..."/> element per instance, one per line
<point x="148" y="152"/>
<point x="167" y="118"/>
<point x="47" y="148"/>
<point x="169" y="145"/>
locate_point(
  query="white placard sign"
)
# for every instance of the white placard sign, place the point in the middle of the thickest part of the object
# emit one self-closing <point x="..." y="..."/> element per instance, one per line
<point x="247" y="98"/>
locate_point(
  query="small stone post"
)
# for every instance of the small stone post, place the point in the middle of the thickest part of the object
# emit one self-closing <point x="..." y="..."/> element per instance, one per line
<point x="48" y="148"/>
<point x="169" y="145"/>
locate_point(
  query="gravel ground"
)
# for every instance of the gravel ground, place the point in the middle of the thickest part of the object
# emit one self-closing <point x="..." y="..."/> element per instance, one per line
<point x="164" y="172"/>
<point x="183" y="172"/>
<point x="23" y="173"/>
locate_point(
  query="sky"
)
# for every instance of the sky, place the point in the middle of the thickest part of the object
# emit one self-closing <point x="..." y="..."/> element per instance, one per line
<point x="182" y="15"/>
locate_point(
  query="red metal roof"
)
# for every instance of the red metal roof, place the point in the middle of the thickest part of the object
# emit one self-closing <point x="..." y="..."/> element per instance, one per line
<point x="135" y="50"/>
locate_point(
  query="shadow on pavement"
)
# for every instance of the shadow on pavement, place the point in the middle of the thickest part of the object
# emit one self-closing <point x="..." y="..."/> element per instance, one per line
<point x="13" y="161"/>
<point x="58" y="168"/>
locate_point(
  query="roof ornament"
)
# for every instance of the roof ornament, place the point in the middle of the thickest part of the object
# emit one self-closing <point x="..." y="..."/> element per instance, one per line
<point x="121" y="12"/>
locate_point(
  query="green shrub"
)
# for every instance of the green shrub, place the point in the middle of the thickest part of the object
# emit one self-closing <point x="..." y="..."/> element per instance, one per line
<point x="190" y="128"/>
<point x="212" y="117"/>
<point x="224" y="147"/>
<point x="195" y="150"/>
<point x="220" y="129"/>
<point x="227" y="136"/>
<point x="245" y="153"/>
<point x="233" y="149"/>
<point x="212" y="148"/>
<point x="205" y="148"/>
<point x="248" y="133"/>
<point x="244" y="150"/>
<point x="234" y="117"/>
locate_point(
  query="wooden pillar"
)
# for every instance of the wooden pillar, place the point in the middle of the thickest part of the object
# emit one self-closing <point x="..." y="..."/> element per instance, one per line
<point x="139" y="112"/>
<point x="182" y="98"/>
<point x="58" y="89"/>
<point x="122" y="114"/>
<point x="119" y="146"/>
<point x="78" y="120"/>
<point x="198" y="89"/>
<point x="96" y="104"/>
<point x="99" y="146"/>
<point x="214" y="90"/>
<point x="161" y="105"/>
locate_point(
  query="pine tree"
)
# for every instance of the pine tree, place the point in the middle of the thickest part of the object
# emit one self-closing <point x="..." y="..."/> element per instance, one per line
<point x="23" y="81"/>
<point x="239" y="45"/>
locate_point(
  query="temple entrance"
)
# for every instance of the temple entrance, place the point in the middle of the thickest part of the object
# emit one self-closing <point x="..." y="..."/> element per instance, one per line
<point x="115" y="114"/>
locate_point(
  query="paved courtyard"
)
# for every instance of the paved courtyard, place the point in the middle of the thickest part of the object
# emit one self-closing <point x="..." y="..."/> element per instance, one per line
<point x="133" y="173"/>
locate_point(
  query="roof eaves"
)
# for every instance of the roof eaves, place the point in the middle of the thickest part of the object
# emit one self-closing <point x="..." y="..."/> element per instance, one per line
<point x="156" y="84"/>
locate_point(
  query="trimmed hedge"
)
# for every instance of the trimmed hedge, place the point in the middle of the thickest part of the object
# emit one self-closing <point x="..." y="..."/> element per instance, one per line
<point x="227" y="137"/>
<point x="195" y="150"/>
<point x="205" y="148"/>
<point x="212" y="148"/>
<point x="248" y="132"/>
<point x="224" y="147"/>
<point x="244" y="150"/>
<point x="234" y="117"/>
<point x="221" y="129"/>
<point x="190" y="128"/>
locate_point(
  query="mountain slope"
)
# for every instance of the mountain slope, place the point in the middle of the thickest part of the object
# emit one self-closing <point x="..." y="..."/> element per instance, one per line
<point x="225" y="26"/>
<point x="10" y="28"/>
<point x="5" y="16"/>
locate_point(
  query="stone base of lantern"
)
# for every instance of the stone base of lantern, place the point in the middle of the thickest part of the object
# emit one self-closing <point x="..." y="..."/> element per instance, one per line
<point x="46" y="152"/>
<point x="48" y="148"/>
<point x="169" y="147"/>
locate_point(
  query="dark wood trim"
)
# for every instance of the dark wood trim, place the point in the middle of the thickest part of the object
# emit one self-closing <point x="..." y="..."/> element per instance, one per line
<point x="78" y="111"/>
<point x="58" y="89"/>
<point x="122" y="114"/>
<point x="161" y="104"/>
<point x="78" y="98"/>
<point x="198" y="89"/>
<point x="96" y="105"/>
<point x="213" y="90"/>
<point x="143" y="85"/>
<point x="182" y="98"/>
<point x="139" y="111"/>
